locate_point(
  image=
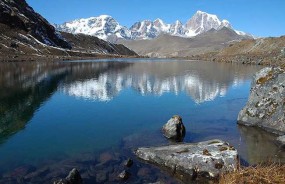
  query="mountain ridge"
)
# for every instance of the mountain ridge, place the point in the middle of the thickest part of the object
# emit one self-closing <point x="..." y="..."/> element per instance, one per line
<point x="107" y="28"/>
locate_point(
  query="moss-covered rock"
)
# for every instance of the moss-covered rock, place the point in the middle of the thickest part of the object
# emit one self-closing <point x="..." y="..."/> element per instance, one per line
<point x="266" y="104"/>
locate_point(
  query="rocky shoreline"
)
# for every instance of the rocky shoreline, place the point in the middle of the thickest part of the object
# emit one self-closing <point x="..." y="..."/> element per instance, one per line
<point x="51" y="58"/>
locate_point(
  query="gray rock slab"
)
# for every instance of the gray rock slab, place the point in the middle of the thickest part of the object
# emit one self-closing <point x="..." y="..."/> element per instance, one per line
<point x="209" y="157"/>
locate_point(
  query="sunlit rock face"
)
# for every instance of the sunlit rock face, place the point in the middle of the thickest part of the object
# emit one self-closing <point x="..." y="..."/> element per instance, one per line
<point x="158" y="79"/>
<point x="265" y="107"/>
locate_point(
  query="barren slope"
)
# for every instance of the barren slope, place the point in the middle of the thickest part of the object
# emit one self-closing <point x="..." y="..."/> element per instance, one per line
<point x="172" y="46"/>
<point x="263" y="51"/>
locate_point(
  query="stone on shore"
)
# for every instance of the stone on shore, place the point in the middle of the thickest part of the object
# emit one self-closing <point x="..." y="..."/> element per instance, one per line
<point x="206" y="159"/>
<point x="266" y="104"/>
<point x="174" y="129"/>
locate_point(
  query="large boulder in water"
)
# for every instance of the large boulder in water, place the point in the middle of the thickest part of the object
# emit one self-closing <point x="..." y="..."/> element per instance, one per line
<point x="207" y="159"/>
<point x="174" y="129"/>
<point x="266" y="104"/>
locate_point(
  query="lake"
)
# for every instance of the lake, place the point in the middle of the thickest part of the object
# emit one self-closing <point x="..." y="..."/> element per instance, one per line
<point x="92" y="114"/>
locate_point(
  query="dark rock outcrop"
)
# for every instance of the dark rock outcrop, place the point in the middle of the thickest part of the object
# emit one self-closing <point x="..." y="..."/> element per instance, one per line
<point x="19" y="15"/>
<point x="206" y="159"/>
<point x="174" y="129"/>
<point x="266" y="104"/>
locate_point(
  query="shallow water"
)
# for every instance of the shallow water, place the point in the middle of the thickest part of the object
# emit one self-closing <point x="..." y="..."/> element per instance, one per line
<point x="56" y="116"/>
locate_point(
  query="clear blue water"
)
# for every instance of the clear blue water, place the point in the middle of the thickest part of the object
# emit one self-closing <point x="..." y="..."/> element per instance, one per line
<point x="53" y="112"/>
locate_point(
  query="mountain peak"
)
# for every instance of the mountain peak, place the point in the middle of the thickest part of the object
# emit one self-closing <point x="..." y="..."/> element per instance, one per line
<point x="105" y="16"/>
<point x="178" y="22"/>
<point x="158" y="20"/>
<point x="202" y="22"/>
<point x="200" y="12"/>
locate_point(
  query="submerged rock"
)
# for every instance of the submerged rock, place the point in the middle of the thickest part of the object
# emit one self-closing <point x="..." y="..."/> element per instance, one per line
<point x="61" y="181"/>
<point x="174" y="129"/>
<point x="124" y="175"/>
<point x="72" y="178"/>
<point x="128" y="163"/>
<point x="206" y="159"/>
<point x="266" y="104"/>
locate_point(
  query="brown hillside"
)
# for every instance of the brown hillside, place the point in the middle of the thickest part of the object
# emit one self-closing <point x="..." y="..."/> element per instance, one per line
<point x="263" y="51"/>
<point x="173" y="46"/>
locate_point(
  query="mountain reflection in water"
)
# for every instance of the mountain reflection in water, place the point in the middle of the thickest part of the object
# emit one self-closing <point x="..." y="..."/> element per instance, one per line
<point x="201" y="82"/>
<point x="24" y="87"/>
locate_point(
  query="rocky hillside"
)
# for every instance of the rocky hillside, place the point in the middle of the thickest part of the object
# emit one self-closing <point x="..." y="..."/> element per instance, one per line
<point x="174" y="46"/>
<point x="262" y="51"/>
<point x="92" y="44"/>
<point x="26" y="35"/>
<point x="17" y="14"/>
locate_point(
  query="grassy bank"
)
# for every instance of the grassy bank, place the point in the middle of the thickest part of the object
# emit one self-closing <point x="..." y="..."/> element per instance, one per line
<point x="270" y="173"/>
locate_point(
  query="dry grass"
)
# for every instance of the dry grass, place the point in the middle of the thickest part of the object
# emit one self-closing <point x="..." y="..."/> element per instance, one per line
<point x="261" y="174"/>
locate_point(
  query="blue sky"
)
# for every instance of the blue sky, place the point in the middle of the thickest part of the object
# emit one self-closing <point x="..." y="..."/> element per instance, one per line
<point x="258" y="17"/>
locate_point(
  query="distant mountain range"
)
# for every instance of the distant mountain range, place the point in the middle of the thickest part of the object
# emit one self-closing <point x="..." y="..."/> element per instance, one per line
<point x="107" y="28"/>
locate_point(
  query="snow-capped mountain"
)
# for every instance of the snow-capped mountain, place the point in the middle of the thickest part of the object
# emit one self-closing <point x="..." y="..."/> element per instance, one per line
<point x="177" y="29"/>
<point x="144" y="29"/>
<point x="107" y="28"/>
<point x="104" y="27"/>
<point x="202" y="22"/>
